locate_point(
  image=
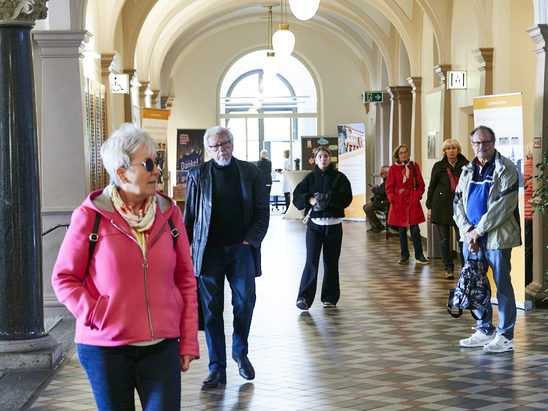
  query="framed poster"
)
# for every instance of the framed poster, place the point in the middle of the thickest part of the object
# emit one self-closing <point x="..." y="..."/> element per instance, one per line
<point x="190" y="153"/>
<point x="308" y="149"/>
<point x="352" y="164"/>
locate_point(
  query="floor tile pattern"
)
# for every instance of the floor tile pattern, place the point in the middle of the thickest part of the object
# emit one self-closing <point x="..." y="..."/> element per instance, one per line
<point x="389" y="344"/>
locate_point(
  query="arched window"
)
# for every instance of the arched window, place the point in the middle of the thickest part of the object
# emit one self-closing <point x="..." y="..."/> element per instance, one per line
<point x="270" y="112"/>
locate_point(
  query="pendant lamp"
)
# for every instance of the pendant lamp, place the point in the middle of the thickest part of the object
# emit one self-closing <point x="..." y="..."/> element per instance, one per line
<point x="283" y="40"/>
<point x="304" y="9"/>
<point x="270" y="63"/>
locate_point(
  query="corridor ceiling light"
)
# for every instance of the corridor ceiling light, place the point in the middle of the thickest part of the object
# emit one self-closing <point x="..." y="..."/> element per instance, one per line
<point x="304" y="9"/>
<point x="270" y="64"/>
<point x="283" y="40"/>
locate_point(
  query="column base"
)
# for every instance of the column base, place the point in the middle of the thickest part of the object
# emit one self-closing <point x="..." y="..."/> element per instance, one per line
<point x="43" y="352"/>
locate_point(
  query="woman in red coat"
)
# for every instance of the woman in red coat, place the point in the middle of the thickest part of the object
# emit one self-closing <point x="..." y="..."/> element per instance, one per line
<point x="404" y="188"/>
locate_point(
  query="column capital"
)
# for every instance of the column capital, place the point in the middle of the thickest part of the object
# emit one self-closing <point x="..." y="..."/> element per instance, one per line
<point x="415" y="83"/>
<point x="484" y="56"/>
<point x="22" y="12"/>
<point x="169" y="102"/>
<point x="399" y="91"/>
<point x="539" y="34"/>
<point x="441" y="70"/>
<point x="61" y="43"/>
<point x="106" y="61"/>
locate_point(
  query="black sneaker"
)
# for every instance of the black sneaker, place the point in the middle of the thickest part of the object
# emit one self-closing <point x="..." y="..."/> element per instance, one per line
<point x="302" y="304"/>
<point x="422" y="260"/>
<point x="403" y="260"/>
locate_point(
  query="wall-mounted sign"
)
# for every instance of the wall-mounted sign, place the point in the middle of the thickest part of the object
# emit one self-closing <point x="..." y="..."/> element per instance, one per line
<point x="119" y="83"/>
<point x="372" y="96"/>
<point x="456" y="79"/>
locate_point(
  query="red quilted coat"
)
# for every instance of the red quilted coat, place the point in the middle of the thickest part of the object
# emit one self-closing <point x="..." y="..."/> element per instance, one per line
<point x="405" y="208"/>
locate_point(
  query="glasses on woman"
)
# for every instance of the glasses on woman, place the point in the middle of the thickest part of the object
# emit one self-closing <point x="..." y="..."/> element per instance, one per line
<point x="149" y="164"/>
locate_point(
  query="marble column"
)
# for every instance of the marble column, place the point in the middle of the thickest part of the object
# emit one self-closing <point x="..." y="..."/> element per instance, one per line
<point x="537" y="291"/>
<point x="416" y="127"/>
<point x="401" y="114"/>
<point x="154" y="99"/>
<point x="383" y="130"/>
<point x="106" y="61"/>
<point x="127" y="97"/>
<point x="484" y="56"/>
<point x="21" y="312"/>
<point x="441" y="71"/>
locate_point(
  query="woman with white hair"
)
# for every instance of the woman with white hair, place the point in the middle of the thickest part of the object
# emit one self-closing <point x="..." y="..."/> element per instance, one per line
<point x="124" y="271"/>
<point x="441" y="192"/>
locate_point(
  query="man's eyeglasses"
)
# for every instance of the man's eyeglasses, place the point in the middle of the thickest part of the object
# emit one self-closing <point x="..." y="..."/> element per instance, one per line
<point x="149" y="164"/>
<point x="481" y="143"/>
<point x="223" y="144"/>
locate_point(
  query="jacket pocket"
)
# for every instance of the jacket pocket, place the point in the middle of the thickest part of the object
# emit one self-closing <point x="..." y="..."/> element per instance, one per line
<point x="99" y="313"/>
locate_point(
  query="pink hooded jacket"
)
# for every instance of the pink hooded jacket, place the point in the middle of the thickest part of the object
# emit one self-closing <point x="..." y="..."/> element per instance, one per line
<point x="127" y="298"/>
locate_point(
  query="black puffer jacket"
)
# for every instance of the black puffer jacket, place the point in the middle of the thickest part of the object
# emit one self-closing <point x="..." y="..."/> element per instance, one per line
<point x="440" y="197"/>
<point x="330" y="182"/>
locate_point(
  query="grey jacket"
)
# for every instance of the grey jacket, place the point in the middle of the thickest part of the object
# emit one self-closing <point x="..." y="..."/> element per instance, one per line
<point x="198" y="203"/>
<point x="501" y="221"/>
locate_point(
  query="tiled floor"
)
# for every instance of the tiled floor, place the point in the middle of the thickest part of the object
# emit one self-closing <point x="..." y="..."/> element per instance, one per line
<point x="389" y="344"/>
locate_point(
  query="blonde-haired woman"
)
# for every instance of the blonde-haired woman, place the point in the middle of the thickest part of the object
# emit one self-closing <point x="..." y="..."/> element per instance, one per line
<point x="404" y="189"/>
<point x="439" y="202"/>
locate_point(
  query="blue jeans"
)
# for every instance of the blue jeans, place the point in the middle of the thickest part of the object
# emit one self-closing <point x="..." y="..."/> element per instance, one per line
<point x="236" y="262"/>
<point x="115" y="372"/>
<point x="499" y="261"/>
<point x="415" y="237"/>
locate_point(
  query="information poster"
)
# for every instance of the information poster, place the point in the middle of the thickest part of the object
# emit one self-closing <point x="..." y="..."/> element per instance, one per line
<point x="504" y="115"/>
<point x="352" y="163"/>
<point x="190" y="153"/>
<point x="308" y="150"/>
<point x="154" y="122"/>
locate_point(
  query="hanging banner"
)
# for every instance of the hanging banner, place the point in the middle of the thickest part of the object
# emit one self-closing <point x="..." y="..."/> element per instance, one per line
<point x="154" y="122"/>
<point x="503" y="113"/>
<point x="352" y="164"/>
<point x="190" y="153"/>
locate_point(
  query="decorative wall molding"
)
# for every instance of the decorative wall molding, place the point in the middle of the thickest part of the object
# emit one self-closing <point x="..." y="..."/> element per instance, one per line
<point x="24" y="12"/>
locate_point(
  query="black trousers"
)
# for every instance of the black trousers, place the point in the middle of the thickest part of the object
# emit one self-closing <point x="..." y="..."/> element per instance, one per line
<point x="328" y="238"/>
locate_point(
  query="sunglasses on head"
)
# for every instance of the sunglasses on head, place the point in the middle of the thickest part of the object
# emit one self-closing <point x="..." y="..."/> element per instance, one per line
<point x="149" y="164"/>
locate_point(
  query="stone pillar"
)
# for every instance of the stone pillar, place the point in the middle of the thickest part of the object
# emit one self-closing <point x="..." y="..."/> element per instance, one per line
<point x="21" y="313"/>
<point x="416" y="128"/>
<point x="537" y="291"/>
<point x="383" y="130"/>
<point x="106" y="61"/>
<point x="127" y="98"/>
<point x="441" y="71"/>
<point x="154" y="98"/>
<point x="484" y="56"/>
<point x="142" y="93"/>
<point x="62" y="141"/>
<point x="169" y="102"/>
<point x="401" y="115"/>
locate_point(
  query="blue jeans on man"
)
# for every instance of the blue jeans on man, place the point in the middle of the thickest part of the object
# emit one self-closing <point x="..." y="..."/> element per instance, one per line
<point x="237" y="264"/>
<point x="499" y="261"/>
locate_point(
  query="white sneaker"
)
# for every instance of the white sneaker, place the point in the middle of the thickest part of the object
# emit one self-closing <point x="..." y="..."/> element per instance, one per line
<point x="499" y="344"/>
<point x="478" y="339"/>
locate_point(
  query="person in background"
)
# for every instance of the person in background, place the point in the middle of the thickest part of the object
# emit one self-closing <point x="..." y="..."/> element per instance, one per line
<point x="265" y="165"/>
<point x="379" y="202"/>
<point x="226" y="219"/>
<point x="134" y="299"/>
<point x="404" y="189"/>
<point x="486" y="211"/>
<point x="323" y="194"/>
<point x="528" y="214"/>
<point x="439" y="201"/>
<point x="286" y="187"/>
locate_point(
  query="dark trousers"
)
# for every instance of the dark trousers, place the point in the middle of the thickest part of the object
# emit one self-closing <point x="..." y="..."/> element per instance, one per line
<point x="237" y="264"/>
<point x="444" y="237"/>
<point x="528" y="251"/>
<point x="415" y="237"/>
<point x="115" y="372"/>
<point x="328" y="237"/>
<point x="287" y="197"/>
<point x="374" y="221"/>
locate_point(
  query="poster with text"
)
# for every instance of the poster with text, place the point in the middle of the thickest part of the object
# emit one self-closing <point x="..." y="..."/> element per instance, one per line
<point x="190" y="153"/>
<point x="503" y="113"/>
<point x="308" y="150"/>
<point x="352" y="164"/>
<point x="154" y="122"/>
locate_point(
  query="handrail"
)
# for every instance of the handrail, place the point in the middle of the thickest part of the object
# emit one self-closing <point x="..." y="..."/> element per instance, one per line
<point x="54" y="228"/>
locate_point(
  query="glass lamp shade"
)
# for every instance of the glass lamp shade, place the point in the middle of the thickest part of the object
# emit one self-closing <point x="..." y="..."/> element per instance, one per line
<point x="270" y="64"/>
<point x="304" y="9"/>
<point x="283" y="41"/>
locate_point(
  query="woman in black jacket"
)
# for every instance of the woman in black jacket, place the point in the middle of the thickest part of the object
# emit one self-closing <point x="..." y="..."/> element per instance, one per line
<point x="324" y="194"/>
<point x="441" y="192"/>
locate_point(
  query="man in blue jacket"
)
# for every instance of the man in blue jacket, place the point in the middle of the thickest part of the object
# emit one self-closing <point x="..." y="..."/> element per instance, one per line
<point x="486" y="212"/>
<point x="226" y="218"/>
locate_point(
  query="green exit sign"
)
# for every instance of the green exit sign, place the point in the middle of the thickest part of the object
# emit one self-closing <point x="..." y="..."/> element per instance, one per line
<point x="372" y="96"/>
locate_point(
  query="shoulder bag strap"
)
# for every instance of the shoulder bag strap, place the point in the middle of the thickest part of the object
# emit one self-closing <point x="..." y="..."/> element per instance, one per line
<point x="174" y="231"/>
<point x="93" y="237"/>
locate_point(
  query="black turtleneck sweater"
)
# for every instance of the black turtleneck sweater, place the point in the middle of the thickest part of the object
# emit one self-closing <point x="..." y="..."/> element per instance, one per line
<point x="227" y="226"/>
